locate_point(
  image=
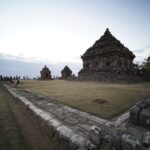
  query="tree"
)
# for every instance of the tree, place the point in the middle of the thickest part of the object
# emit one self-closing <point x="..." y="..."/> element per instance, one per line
<point x="146" y="67"/>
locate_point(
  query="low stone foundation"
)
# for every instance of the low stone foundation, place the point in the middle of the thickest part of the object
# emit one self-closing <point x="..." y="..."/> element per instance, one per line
<point x="110" y="76"/>
<point x="75" y="130"/>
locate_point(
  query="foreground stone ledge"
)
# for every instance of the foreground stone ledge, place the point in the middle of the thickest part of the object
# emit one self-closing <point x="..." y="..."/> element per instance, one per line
<point x="64" y="132"/>
<point x="72" y="129"/>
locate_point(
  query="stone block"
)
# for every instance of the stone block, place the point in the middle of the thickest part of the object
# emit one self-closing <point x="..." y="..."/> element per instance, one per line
<point x="90" y="146"/>
<point x="134" y="114"/>
<point x="129" y="142"/>
<point x="145" y="117"/>
<point x="37" y="112"/>
<point x="107" y="143"/>
<point x="54" y="123"/>
<point x="45" y="116"/>
<point x="65" y="132"/>
<point x="147" y="102"/>
<point x="146" y="140"/>
<point x="71" y="121"/>
<point x="96" y="135"/>
<point x="79" y="140"/>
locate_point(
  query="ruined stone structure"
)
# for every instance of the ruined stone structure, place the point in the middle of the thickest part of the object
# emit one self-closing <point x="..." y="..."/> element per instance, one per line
<point x="45" y="74"/>
<point x="107" y="58"/>
<point x="66" y="72"/>
<point x="71" y="129"/>
<point x="140" y="113"/>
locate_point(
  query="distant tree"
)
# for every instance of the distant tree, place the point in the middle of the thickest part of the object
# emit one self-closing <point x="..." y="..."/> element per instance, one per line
<point x="137" y="69"/>
<point x="136" y="65"/>
<point x="146" y="67"/>
<point x="1" y="78"/>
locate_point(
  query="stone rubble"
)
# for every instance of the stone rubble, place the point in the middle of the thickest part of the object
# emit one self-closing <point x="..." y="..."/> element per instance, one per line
<point x="140" y="113"/>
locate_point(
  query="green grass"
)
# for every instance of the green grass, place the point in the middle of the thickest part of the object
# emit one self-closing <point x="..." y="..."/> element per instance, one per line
<point x="81" y="95"/>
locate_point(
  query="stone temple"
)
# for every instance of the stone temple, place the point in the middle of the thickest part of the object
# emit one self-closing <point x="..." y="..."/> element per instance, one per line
<point x="66" y="72"/>
<point x="107" y="59"/>
<point x="45" y="74"/>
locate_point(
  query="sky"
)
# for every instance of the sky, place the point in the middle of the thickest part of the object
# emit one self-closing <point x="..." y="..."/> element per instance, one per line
<point x="56" y="32"/>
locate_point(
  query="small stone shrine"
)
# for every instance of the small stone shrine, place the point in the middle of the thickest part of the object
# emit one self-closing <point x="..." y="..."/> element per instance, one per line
<point x="66" y="72"/>
<point x="45" y="74"/>
<point x="108" y="58"/>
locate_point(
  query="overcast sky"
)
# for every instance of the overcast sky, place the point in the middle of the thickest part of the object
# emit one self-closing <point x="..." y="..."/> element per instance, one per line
<point x="60" y="31"/>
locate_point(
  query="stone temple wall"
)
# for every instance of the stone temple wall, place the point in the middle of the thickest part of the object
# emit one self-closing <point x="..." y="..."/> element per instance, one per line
<point x="75" y="130"/>
<point x="108" y="76"/>
<point x="110" y="62"/>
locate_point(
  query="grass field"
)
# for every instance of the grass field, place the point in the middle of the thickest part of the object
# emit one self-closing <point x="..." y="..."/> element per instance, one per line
<point x="101" y="99"/>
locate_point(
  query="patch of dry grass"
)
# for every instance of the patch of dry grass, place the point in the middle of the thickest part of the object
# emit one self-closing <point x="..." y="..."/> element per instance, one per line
<point x="82" y="95"/>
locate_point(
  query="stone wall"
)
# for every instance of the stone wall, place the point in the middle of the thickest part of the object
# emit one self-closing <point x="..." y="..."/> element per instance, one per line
<point x="111" y="61"/>
<point x="110" y="76"/>
<point x="75" y="130"/>
<point x="140" y="113"/>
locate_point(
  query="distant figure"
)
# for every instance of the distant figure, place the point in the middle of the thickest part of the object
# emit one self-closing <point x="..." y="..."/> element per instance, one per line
<point x="18" y="82"/>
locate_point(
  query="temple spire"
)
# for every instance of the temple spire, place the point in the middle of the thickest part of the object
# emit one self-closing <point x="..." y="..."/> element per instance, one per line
<point x="107" y="32"/>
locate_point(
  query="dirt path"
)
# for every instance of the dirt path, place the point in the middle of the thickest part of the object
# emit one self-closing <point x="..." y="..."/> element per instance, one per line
<point x="10" y="136"/>
<point x="18" y="131"/>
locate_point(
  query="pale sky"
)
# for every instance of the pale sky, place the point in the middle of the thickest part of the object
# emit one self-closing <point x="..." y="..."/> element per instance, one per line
<point x="60" y="31"/>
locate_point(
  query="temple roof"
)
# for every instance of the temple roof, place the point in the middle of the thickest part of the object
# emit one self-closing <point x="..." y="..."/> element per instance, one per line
<point x="106" y="44"/>
<point x="66" y="69"/>
<point x="45" y="69"/>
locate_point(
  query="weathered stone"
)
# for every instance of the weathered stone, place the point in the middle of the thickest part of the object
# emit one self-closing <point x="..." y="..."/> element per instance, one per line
<point x="54" y="123"/>
<point x="140" y="114"/>
<point x="96" y="135"/>
<point x="79" y="140"/>
<point x="134" y="114"/>
<point x="71" y="121"/>
<point x="129" y="142"/>
<point x="146" y="139"/>
<point x="145" y="117"/>
<point x="60" y="116"/>
<point x="86" y="127"/>
<point x="91" y="146"/>
<point x="107" y="59"/>
<point x="45" y="116"/>
<point x="65" y="132"/>
<point x="121" y="119"/>
<point x="107" y="143"/>
<point x="117" y="145"/>
<point x="66" y="73"/>
<point x="46" y="74"/>
<point x="147" y="102"/>
<point x="98" y="120"/>
<point x="37" y="111"/>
